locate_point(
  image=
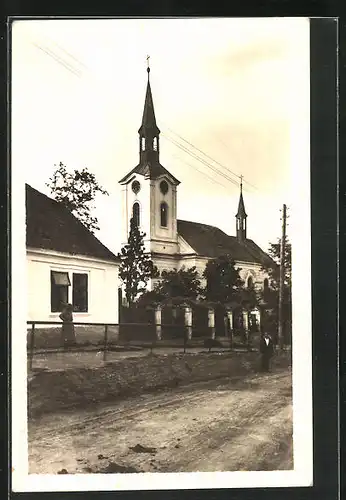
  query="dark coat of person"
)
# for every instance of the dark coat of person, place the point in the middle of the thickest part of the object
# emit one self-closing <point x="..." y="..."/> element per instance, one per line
<point x="68" y="336"/>
<point x="267" y="351"/>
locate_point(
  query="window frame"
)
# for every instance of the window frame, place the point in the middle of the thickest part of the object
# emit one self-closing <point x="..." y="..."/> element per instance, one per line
<point x="70" y="273"/>
<point x="164" y="204"/>
<point x="56" y="287"/>
<point x="138" y="222"/>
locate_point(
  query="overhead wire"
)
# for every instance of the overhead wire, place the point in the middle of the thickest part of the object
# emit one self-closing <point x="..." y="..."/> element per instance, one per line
<point x="58" y="59"/>
<point x="229" y="171"/>
<point x="200" y="159"/>
<point x="198" y="170"/>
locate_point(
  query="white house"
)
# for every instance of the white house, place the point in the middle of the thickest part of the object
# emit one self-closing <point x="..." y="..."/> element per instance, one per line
<point x="149" y="195"/>
<point x="67" y="263"/>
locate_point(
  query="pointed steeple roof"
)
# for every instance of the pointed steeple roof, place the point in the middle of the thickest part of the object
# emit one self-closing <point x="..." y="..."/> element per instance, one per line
<point x="241" y="214"/>
<point x="148" y="120"/>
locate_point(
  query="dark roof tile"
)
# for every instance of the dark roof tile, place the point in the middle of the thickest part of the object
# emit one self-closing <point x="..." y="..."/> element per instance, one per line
<point x="51" y="226"/>
<point x="210" y="241"/>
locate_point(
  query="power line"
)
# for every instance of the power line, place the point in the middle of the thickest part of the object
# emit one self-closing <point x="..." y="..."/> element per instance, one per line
<point x="70" y="55"/>
<point x="196" y="157"/>
<point x="200" y="159"/>
<point x="58" y="59"/>
<point x="200" y="171"/>
<point x="208" y="156"/>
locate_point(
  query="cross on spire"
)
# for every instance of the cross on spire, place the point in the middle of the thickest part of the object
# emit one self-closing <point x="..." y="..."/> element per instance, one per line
<point x="241" y="181"/>
<point x="148" y="65"/>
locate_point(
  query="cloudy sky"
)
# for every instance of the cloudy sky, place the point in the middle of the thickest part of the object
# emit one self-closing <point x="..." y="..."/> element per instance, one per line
<point x="235" y="89"/>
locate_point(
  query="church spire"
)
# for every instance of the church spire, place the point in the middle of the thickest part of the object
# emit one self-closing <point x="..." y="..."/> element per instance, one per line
<point x="148" y="126"/>
<point x="241" y="215"/>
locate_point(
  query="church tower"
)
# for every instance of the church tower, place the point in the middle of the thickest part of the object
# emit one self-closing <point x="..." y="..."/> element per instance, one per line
<point x="241" y="216"/>
<point x="149" y="193"/>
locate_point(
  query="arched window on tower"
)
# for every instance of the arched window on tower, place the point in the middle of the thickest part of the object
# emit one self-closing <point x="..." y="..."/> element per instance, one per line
<point x="155" y="144"/>
<point x="250" y="282"/>
<point x="143" y="143"/>
<point x="164" y="214"/>
<point x="136" y="214"/>
<point x="266" y="284"/>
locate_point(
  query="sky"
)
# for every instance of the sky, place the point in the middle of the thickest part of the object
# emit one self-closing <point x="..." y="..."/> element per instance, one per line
<point x="235" y="89"/>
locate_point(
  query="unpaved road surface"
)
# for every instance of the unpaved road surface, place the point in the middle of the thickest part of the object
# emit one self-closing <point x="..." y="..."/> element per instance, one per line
<point x="224" y="425"/>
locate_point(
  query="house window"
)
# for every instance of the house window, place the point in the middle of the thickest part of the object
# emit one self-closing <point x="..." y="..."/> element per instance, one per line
<point x="136" y="214"/>
<point x="80" y="292"/>
<point x="59" y="283"/>
<point x="164" y="214"/>
<point x="250" y="282"/>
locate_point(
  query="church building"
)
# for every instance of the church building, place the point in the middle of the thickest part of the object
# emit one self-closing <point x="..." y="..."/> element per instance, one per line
<point x="149" y="195"/>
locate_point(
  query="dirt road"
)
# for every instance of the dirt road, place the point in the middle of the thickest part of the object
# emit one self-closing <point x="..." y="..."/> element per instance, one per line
<point x="215" y="426"/>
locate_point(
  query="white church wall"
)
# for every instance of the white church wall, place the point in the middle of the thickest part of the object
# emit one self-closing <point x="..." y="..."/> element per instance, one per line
<point x="184" y="247"/>
<point x="103" y="283"/>
<point x="157" y="231"/>
<point x="254" y="271"/>
<point x="128" y="200"/>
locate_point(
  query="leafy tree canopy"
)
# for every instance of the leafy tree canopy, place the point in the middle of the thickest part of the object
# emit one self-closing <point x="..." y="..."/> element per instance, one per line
<point x="184" y="282"/>
<point x="77" y="191"/>
<point x="223" y="282"/>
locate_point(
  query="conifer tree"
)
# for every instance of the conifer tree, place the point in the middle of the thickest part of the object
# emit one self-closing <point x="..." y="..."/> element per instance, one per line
<point x="136" y="267"/>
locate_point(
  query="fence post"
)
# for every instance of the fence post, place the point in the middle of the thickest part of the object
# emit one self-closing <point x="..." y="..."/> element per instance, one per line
<point x="105" y="344"/>
<point x="158" y="328"/>
<point x="246" y="328"/>
<point x="32" y="345"/>
<point x="188" y="322"/>
<point x="230" y="326"/>
<point x="211" y="322"/>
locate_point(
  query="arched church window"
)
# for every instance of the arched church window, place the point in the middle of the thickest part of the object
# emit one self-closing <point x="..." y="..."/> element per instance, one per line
<point x="136" y="214"/>
<point x="164" y="214"/>
<point x="143" y="143"/>
<point x="266" y="284"/>
<point x="250" y="282"/>
<point x="155" y="144"/>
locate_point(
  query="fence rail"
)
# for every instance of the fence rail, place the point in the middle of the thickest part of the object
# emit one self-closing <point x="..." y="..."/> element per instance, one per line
<point x="184" y="343"/>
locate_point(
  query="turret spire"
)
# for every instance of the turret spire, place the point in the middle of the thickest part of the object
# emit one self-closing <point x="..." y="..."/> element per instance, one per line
<point x="148" y="120"/>
<point x="241" y="215"/>
<point x="148" y="131"/>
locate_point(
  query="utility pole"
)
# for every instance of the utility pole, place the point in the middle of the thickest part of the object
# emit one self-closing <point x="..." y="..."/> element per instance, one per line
<point x="282" y="278"/>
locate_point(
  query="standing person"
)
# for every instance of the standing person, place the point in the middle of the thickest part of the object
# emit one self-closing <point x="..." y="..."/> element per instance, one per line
<point x="68" y="337"/>
<point x="267" y="351"/>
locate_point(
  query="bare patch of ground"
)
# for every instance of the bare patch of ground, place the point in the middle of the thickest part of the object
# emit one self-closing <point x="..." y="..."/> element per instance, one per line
<point x="218" y="425"/>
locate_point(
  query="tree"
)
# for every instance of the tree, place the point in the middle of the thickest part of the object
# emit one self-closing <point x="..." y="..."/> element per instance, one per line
<point x="223" y="282"/>
<point x="77" y="191"/>
<point x="270" y="294"/>
<point x="274" y="271"/>
<point x="136" y="267"/>
<point x="179" y="283"/>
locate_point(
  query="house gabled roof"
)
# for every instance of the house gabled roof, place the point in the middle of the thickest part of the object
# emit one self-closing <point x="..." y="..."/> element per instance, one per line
<point x="51" y="226"/>
<point x="210" y="241"/>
